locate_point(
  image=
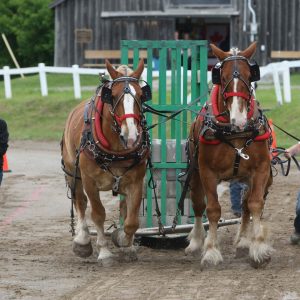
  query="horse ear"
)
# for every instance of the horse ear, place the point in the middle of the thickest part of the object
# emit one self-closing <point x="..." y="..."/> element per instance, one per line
<point x="111" y="70"/>
<point x="221" y="55"/>
<point x="249" y="52"/>
<point x="138" y="72"/>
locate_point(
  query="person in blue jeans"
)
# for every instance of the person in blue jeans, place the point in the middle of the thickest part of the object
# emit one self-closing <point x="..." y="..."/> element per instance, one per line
<point x="3" y="144"/>
<point x="295" y="237"/>
<point x="237" y="190"/>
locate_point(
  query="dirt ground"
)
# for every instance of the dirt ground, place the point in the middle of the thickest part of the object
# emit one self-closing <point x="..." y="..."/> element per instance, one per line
<point x="37" y="262"/>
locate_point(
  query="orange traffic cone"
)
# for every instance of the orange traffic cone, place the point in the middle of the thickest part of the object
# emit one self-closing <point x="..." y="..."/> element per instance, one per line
<point x="5" y="164"/>
<point x="274" y="143"/>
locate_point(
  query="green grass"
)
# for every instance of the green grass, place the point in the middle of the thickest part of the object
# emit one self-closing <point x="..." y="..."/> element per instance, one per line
<point x="31" y="116"/>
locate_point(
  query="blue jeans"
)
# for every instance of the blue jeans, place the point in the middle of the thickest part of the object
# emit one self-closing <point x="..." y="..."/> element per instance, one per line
<point x="236" y="192"/>
<point x="297" y="219"/>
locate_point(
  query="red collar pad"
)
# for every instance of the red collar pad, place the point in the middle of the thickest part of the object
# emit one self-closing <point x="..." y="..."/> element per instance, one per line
<point x="100" y="135"/>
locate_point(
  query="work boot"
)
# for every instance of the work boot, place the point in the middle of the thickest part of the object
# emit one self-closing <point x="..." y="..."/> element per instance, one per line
<point x="295" y="238"/>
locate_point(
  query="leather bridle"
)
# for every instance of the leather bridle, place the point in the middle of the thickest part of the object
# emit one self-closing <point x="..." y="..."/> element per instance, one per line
<point x="236" y="75"/>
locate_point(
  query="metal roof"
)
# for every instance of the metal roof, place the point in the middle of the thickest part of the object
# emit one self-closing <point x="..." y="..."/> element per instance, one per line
<point x="55" y="3"/>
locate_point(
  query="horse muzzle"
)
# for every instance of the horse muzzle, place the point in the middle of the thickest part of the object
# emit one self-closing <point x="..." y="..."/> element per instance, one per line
<point x="238" y="125"/>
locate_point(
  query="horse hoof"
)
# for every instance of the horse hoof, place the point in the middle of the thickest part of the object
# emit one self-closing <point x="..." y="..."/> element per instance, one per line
<point x="241" y="252"/>
<point x="260" y="264"/>
<point x="107" y="262"/>
<point x="128" y="254"/>
<point x="189" y="251"/>
<point x="212" y="256"/>
<point x="119" y="238"/>
<point x="83" y="250"/>
<point x="115" y="237"/>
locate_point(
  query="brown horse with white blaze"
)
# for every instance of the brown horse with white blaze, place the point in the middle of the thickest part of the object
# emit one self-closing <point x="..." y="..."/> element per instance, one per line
<point x="230" y="139"/>
<point x="105" y="147"/>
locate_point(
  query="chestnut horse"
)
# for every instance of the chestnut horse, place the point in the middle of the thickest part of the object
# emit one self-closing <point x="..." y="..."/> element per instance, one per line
<point x="105" y="147"/>
<point x="230" y="139"/>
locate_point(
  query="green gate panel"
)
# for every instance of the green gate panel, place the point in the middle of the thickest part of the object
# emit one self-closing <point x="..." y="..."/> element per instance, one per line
<point x="177" y="74"/>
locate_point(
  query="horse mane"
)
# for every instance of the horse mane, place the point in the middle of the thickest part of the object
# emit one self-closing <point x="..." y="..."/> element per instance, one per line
<point x="124" y="70"/>
<point x="234" y="51"/>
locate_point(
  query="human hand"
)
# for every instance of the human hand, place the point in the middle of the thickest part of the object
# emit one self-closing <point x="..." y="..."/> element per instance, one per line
<point x="289" y="152"/>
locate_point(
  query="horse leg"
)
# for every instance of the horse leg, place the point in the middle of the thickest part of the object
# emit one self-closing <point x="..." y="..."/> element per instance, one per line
<point x="197" y="235"/>
<point x="260" y="251"/>
<point x="211" y="253"/>
<point x="242" y="240"/>
<point x="124" y="237"/>
<point x="82" y="243"/>
<point x="98" y="217"/>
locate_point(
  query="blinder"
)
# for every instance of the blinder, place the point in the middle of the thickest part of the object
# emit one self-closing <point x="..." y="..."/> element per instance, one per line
<point x="216" y="71"/>
<point x="146" y="93"/>
<point x="255" y="72"/>
<point x="106" y="95"/>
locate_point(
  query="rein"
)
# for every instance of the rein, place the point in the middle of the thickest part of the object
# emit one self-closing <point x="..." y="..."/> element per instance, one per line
<point x="276" y="159"/>
<point x="174" y="113"/>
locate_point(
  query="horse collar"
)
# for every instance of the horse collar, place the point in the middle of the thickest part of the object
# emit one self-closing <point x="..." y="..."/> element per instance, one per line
<point x="95" y="145"/>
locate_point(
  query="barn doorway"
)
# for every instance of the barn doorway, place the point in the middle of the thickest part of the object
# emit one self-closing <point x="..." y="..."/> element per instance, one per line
<point x="214" y="30"/>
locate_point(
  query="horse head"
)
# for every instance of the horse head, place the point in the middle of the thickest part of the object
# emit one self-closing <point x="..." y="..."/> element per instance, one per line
<point x="234" y="73"/>
<point x="125" y="95"/>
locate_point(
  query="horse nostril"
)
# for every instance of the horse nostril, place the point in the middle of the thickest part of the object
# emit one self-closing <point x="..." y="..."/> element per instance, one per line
<point x="123" y="139"/>
<point x="130" y="142"/>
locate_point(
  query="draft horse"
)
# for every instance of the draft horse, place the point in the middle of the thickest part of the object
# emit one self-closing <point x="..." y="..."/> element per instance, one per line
<point x="105" y="146"/>
<point x="230" y="138"/>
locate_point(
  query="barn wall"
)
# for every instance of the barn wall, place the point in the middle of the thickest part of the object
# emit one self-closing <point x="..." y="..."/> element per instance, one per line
<point x="278" y="26"/>
<point x="107" y="32"/>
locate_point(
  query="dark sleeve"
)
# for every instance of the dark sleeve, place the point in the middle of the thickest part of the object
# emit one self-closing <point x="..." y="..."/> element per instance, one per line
<point x="3" y="137"/>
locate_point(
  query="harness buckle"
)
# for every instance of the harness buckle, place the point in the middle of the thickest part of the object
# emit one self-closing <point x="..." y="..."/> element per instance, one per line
<point x="241" y="154"/>
<point x="115" y="186"/>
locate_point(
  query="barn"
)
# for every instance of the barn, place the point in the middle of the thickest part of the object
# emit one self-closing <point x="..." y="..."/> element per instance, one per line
<point x="102" y="24"/>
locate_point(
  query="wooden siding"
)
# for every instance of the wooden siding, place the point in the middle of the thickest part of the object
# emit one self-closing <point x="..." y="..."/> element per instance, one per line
<point x="278" y="26"/>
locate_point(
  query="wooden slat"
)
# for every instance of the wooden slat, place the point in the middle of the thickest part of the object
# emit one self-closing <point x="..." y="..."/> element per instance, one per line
<point x="116" y="54"/>
<point x="107" y="54"/>
<point x="285" y="54"/>
<point x="101" y="54"/>
<point x="94" y="65"/>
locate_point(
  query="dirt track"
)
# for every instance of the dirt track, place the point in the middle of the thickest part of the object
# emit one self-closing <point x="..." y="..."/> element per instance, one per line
<point x="36" y="259"/>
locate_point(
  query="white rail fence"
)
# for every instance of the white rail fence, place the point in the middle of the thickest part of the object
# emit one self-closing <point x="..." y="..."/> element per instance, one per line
<point x="280" y="73"/>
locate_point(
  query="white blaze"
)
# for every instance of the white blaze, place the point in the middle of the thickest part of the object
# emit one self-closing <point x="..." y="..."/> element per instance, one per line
<point x="128" y="103"/>
<point x="235" y="113"/>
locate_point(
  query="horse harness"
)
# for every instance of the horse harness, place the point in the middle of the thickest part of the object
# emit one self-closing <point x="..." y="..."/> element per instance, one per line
<point x="93" y="148"/>
<point x="216" y="129"/>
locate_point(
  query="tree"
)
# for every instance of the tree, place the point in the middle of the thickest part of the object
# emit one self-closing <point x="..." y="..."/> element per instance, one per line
<point x="6" y="24"/>
<point x="29" y="26"/>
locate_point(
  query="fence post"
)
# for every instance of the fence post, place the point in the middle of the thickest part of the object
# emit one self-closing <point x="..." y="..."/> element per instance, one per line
<point x="43" y="79"/>
<point x="76" y="82"/>
<point x="277" y="85"/>
<point x="7" y="83"/>
<point x="286" y="82"/>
